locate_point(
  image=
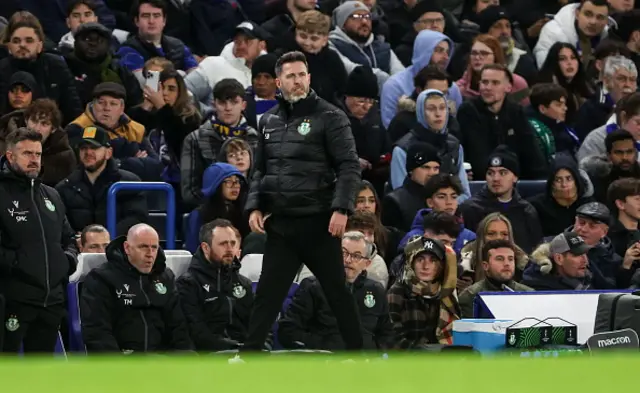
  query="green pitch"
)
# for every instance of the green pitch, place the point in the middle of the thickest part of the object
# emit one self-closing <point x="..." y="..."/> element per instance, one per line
<point x="304" y="374"/>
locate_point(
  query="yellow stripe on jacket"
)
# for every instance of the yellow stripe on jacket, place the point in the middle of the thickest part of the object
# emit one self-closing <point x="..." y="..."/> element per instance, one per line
<point x="130" y="130"/>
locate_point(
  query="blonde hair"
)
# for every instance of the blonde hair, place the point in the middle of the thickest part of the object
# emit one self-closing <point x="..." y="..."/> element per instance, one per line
<point x="314" y="22"/>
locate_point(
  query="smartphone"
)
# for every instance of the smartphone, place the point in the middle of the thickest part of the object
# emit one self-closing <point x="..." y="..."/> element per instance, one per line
<point x="152" y="80"/>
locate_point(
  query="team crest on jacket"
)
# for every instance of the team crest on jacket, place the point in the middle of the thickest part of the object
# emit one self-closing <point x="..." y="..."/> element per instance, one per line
<point x="160" y="288"/>
<point x="239" y="291"/>
<point x="305" y="127"/>
<point x="12" y="324"/>
<point x="369" y="300"/>
<point x="49" y="205"/>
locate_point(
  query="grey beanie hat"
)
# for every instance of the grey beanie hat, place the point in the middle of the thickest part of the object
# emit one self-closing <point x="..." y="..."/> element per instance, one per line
<point x="345" y="10"/>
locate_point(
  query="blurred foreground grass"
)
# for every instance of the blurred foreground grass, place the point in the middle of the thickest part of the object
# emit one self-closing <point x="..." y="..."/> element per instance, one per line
<point x="326" y="374"/>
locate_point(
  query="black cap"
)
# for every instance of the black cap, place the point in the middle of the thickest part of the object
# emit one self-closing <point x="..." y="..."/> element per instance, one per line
<point x="568" y="242"/>
<point x="95" y="136"/>
<point x="419" y="153"/>
<point x="502" y="157"/>
<point x="595" y="211"/>
<point x="96" y="27"/>
<point x="489" y="16"/>
<point x="362" y="82"/>
<point x="111" y="89"/>
<point x="423" y="7"/>
<point x="251" y="30"/>
<point x="23" y="78"/>
<point x="264" y="64"/>
<point x="424" y="245"/>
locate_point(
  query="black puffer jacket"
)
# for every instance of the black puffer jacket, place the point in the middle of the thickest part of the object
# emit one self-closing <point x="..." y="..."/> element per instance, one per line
<point x="306" y="160"/>
<point x="124" y="310"/>
<point x="86" y="203"/>
<point x="309" y="322"/>
<point x="36" y="243"/>
<point x="216" y="301"/>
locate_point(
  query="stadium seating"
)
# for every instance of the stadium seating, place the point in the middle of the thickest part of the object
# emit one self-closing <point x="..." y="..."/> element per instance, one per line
<point x="178" y="263"/>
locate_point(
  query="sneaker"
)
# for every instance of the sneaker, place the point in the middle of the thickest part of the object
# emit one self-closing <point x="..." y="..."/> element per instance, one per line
<point x="236" y="360"/>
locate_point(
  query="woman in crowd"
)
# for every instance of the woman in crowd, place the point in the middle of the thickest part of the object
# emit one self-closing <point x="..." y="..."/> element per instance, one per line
<point x="423" y="305"/>
<point x="563" y="67"/>
<point x="237" y="152"/>
<point x="567" y="190"/>
<point x="494" y="226"/>
<point x="487" y="50"/>
<point x="225" y="191"/>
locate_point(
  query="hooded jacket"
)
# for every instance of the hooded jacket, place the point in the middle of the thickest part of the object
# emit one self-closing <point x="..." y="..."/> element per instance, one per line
<point x="406" y="120"/>
<point x="541" y="274"/>
<point x="447" y="145"/>
<point x="554" y="218"/>
<point x="374" y="53"/>
<point x="217" y="301"/>
<point x="306" y="160"/>
<point x="483" y="131"/>
<point x="86" y="203"/>
<point x="402" y="83"/>
<point x="523" y="216"/>
<point x="201" y="149"/>
<point x="562" y="28"/>
<point x="309" y="322"/>
<point x="37" y="252"/>
<point x="417" y="229"/>
<point x="124" y="310"/>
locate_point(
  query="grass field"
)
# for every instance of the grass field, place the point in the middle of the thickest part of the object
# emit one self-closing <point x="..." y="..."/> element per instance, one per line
<point x="308" y="374"/>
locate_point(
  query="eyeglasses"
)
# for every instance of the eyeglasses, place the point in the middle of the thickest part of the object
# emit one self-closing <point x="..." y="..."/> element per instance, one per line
<point x="232" y="182"/>
<point x="353" y="257"/>
<point x="239" y="154"/>
<point x="430" y="21"/>
<point x="360" y="16"/>
<point x="480" y="53"/>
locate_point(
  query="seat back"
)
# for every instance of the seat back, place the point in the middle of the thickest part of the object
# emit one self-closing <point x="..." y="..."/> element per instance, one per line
<point x="87" y="262"/>
<point x="251" y="266"/>
<point x="529" y="188"/>
<point x="178" y="264"/>
<point x="176" y="252"/>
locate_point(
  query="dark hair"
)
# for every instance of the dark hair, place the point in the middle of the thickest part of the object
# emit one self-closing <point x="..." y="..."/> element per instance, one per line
<point x="550" y="71"/>
<point x="493" y="244"/>
<point x="497" y="67"/>
<point x="441" y="181"/>
<point x="365" y="185"/>
<point x="290" y="57"/>
<point x="22" y="134"/>
<point x="44" y="108"/>
<point x="545" y="93"/>
<point x="92" y="228"/>
<point x="442" y="223"/>
<point x="73" y="4"/>
<point x="621" y="189"/>
<point x="597" y="3"/>
<point x="430" y="73"/>
<point x="610" y="47"/>
<point x="617" y="136"/>
<point x="19" y="20"/>
<point x="184" y="107"/>
<point x="206" y="231"/>
<point x="361" y="220"/>
<point x="630" y="105"/>
<point x="217" y="207"/>
<point x="135" y="8"/>
<point x="228" y="89"/>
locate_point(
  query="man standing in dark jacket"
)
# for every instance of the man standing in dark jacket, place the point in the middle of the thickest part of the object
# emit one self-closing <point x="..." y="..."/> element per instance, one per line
<point x="500" y="195"/>
<point x="37" y="254"/>
<point x="215" y="298"/>
<point x="491" y="120"/>
<point x="304" y="186"/>
<point x="130" y="303"/>
<point x="309" y="322"/>
<point x="84" y="192"/>
<point x="24" y="40"/>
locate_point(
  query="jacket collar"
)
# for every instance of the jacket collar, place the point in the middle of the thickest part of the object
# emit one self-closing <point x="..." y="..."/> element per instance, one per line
<point x="301" y="108"/>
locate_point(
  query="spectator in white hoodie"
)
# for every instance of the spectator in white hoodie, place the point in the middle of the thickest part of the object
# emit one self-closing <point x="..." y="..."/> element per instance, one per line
<point x="234" y="62"/>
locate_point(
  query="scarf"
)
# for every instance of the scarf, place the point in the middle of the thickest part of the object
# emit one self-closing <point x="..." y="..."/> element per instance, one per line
<point x="107" y="74"/>
<point x="227" y="131"/>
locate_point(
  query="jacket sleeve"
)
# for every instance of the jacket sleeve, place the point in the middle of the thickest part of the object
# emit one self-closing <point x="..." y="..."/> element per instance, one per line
<point x="471" y="215"/>
<point x="199" y="85"/>
<point x="396" y="306"/>
<point x="398" y="167"/>
<point x="532" y="160"/>
<point x="175" y="321"/>
<point x="259" y="168"/>
<point x="395" y="65"/>
<point x="465" y="300"/>
<point x="549" y="35"/>
<point x="69" y="102"/>
<point x="203" y="338"/>
<point x="462" y="175"/>
<point x="341" y="149"/>
<point x="384" y="334"/>
<point x="96" y="309"/>
<point x="189" y="166"/>
<point x="390" y="93"/>
<point x="294" y="326"/>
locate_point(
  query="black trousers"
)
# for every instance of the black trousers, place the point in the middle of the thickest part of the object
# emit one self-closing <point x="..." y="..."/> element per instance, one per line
<point x="36" y="328"/>
<point x="292" y="241"/>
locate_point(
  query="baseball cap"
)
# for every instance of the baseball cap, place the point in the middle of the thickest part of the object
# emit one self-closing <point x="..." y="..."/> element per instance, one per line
<point x="95" y="136"/>
<point x="252" y="30"/>
<point x="595" y="211"/>
<point x="568" y="242"/>
<point x="424" y="245"/>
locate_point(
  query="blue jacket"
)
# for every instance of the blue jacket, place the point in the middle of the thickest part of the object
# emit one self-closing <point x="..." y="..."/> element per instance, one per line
<point x="402" y="83"/>
<point x="416" y="229"/>
<point x="399" y="155"/>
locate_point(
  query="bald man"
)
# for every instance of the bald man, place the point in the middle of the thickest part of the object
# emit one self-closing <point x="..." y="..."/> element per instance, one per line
<point x="130" y="303"/>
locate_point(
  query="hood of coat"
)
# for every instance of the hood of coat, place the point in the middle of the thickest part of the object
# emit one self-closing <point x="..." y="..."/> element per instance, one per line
<point x="541" y="259"/>
<point x="406" y="103"/>
<point x="581" y="178"/>
<point x="420" y="111"/>
<point x="423" y="48"/>
<point x="340" y="35"/>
